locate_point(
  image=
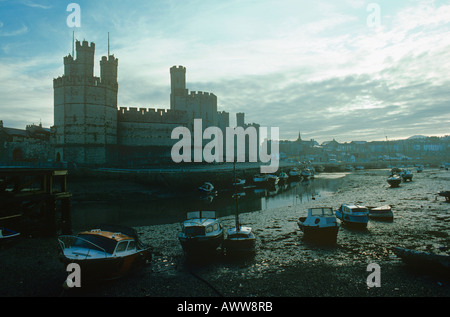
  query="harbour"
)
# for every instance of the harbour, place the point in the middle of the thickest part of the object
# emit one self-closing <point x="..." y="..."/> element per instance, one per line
<point x="284" y="265"/>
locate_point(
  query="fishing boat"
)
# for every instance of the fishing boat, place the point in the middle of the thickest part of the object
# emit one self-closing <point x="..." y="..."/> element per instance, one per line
<point x="424" y="260"/>
<point x="201" y="232"/>
<point x="239" y="239"/>
<point x="381" y="213"/>
<point x="394" y="180"/>
<point x="7" y="236"/>
<point x="104" y="253"/>
<point x="206" y="188"/>
<point x="319" y="225"/>
<point x="355" y="215"/>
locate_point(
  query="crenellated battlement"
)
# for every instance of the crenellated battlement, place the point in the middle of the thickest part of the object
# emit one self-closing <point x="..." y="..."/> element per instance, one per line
<point x="109" y="59"/>
<point x="207" y="96"/>
<point x="62" y="81"/>
<point x="178" y="68"/>
<point x="151" y="115"/>
<point x="85" y="44"/>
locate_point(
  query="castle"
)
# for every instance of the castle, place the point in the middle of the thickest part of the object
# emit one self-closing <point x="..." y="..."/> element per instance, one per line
<point x="89" y="128"/>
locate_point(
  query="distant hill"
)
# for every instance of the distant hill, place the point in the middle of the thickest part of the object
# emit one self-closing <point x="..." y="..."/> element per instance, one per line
<point x="417" y="137"/>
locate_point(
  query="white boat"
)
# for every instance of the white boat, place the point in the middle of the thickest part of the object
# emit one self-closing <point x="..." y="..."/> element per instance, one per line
<point x="206" y="188"/>
<point x="201" y="232"/>
<point x="240" y="239"/>
<point x="107" y="252"/>
<point x="381" y="213"/>
<point x="319" y="225"/>
<point x="351" y="214"/>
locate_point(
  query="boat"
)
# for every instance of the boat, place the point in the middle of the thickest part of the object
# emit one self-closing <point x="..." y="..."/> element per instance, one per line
<point x="206" y="188"/>
<point x="239" y="182"/>
<point x="394" y="180"/>
<point x="260" y="180"/>
<point x="351" y="214"/>
<point x="239" y="239"/>
<point x="446" y="194"/>
<point x="294" y="173"/>
<point x="406" y="175"/>
<point x="381" y="213"/>
<point x="7" y="236"/>
<point x="272" y="179"/>
<point x="319" y="225"/>
<point x="201" y="232"/>
<point x="424" y="260"/>
<point x="283" y="177"/>
<point x="305" y="173"/>
<point x="105" y="253"/>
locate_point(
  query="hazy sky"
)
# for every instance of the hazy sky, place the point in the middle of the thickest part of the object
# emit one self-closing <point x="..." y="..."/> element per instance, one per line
<point x="328" y="69"/>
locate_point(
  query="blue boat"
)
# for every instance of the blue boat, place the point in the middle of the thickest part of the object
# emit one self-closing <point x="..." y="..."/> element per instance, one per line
<point x="351" y="214"/>
<point x="8" y="235"/>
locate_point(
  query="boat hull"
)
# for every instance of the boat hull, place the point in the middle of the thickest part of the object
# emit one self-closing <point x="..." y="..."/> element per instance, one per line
<point x="381" y="213"/>
<point x="319" y="234"/>
<point x="200" y="244"/>
<point x="8" y="236"/>
<point x="423" y="259"/>
<point x="109" y="268"/>
<point x="239" y="245"/>
<point x="353" y="220"/>
<point x="394" y="182"/>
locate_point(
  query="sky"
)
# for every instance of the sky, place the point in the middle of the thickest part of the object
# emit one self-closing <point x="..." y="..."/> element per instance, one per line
<point x="350" y="70"/>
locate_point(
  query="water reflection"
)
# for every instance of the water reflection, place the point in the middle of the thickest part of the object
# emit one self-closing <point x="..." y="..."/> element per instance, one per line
<point x="172" y="207"/>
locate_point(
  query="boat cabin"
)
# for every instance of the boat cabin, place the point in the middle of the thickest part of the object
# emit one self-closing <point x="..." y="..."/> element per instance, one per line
<point x="97" y="243"/>
<point x="200" y="223"/>
<point x="354" y="209"/>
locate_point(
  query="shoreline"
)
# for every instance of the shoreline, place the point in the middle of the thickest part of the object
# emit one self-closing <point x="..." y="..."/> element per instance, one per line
<point x="284" y="266"/>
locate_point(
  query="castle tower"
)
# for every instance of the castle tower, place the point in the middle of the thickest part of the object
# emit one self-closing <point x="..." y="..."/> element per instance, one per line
<point x="240" y="119"/>
<point x="178" y="90"/>
<point x="85" y="109"/>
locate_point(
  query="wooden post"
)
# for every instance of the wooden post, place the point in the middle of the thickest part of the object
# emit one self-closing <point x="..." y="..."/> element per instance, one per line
<point x="66" y="216"/>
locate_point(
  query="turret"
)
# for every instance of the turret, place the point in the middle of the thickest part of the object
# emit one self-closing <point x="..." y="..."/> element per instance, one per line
<point x="108" y="69"/>
<point x="85" y="59"/>
<point x="177" y="84"/>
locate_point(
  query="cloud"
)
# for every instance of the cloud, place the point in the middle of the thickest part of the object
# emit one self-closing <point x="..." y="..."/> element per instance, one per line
<point x="32" y="4"/>
<point x="20" y="31"/>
